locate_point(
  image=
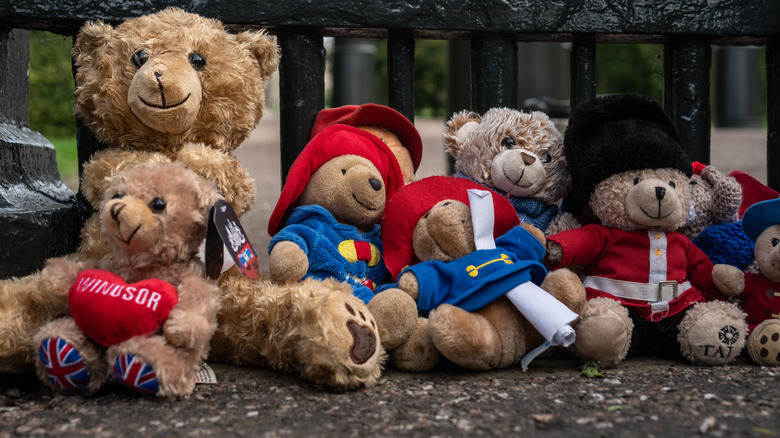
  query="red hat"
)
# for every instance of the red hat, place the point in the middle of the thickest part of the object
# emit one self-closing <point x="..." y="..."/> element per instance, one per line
<point x="375" y="115"/>
<point x="333" y="142"/>
<point x="414" y="200"/>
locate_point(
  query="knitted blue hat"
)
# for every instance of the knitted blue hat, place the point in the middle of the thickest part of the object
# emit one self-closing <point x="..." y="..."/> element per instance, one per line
<point x="760" y="216"/>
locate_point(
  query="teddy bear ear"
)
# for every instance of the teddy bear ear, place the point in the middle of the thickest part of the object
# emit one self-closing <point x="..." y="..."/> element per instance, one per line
<point x="92" y="35"/>
<point x="264" y="48"/>
<point x="457" y="130"/>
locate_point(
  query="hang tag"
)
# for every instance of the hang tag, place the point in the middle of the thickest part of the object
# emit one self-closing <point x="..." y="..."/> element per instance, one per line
<point x="224" y="231"/>
<point x="205" y="374"/>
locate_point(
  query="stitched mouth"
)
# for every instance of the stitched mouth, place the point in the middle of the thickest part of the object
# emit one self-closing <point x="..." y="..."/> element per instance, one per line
<point x="164" y="106"/>
<point x="364" y="205"/>
<point x="659" y="217"/>
<point x="130" y="237"/>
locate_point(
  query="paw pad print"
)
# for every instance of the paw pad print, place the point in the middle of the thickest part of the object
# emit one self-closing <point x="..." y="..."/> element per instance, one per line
<point x="364" y="338"/>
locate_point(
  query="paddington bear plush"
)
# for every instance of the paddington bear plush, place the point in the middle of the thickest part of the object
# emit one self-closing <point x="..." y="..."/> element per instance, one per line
<point x="325" y="222"/>
<point x="517" y="154"/>
<point x="759" y="293"/>
<point x="162" y="87"/>
<point x="430" y="243"/>
<point x="146" y="315"/>
<point x="713" y="221"/>
<point x="646" y="282"/>
<point x="390" y="126"/>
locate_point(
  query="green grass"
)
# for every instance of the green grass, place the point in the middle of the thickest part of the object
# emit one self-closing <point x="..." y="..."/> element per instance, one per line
<point x="67" y="159"/>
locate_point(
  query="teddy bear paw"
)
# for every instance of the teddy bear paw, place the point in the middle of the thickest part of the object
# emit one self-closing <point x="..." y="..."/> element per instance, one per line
<point x="64" y="366"/>
<point x="131" y="371"/>
<point x="603" y="332"/>
<point x="764" y="343"/>
<point x="712" y="333"/>
<point x="418" y="353"/>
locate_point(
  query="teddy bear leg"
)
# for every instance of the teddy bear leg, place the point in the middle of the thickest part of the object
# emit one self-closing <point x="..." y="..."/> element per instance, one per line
<point x="418" y="353"/>
<point x="24" y="309"/>
<point x="763" y="344"/>
<point x="712" y="333"/>
<point x="468" y="339"/>
<point x="67" y="360"/>
<point x="396" y="316"/>
<point x="603" y="332"/>
<point x="153" y="367"/>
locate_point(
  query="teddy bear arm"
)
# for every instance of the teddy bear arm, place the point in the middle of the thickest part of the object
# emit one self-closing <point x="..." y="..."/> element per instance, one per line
<point x="287" y="262"/>
<point x="554" y="252"/>
<point x="726" y="199"/>
<point x="193" y="320"/>
<point x="729" y="280"/>
<point x="60" y="274"/>
<point x="408" y="283"/>
<point x="225" y="171"/>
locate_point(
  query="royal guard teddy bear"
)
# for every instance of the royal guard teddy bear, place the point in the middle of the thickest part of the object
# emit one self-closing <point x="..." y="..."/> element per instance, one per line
<point x="325" y="224"/>
<point x="144" y="316"/>
<point x="152" y="89"/>
<point x="517" y="154"/>
<point x="390" y="126"/>
<point x="758" y="293"/>
<point x="713" y="223"/>
<point x="450" y="297"/>
<point x="646" y="282"/>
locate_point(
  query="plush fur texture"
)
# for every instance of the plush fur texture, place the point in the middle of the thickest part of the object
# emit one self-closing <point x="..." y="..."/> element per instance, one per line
<point x="517" y="153"/>
<point x="715" y="199"/>
<point x="629" y="168"/>
<point x="116" y="67"/>
<point x="495" y="336"/>
<point x="149" y="242"/>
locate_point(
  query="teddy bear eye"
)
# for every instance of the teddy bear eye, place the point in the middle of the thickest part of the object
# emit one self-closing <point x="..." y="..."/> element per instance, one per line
<point x="546" y="157"/>
<point x="117" y="196"/>
<point x="198" y="61"/>
<point x="672" y="184"/>
<point x="508" y="142"/>
<point x="636" y="181"/>
<point x="775" y="241"/>
<point x="140" y="57"/>
<point x="157" y="204"/>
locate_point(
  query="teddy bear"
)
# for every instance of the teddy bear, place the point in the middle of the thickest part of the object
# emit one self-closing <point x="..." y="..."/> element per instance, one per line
<point x="325" y="224"/>
<point x="161" y="87"/>
<point x="146" y="314"/>
<point x="758" y="293"/>
<point x="713" y="222"/>
<point x="647" y="284"/>
<point x="118" y="69"/>
<point x="430" y="248"/>
<point x="390" y="126"/>
<point x="517" y="154"/>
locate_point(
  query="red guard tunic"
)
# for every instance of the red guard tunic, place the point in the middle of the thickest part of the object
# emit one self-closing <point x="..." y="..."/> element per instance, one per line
<point x="639" y="256"/>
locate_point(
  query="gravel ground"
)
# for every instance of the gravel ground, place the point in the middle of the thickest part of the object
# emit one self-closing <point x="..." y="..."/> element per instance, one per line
<point x="641" y="397"/>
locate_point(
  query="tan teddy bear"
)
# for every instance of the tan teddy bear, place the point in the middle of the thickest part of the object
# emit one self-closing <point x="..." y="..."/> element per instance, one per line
<point x="517" y="154"/>
<point x="145" y="315"/>
<point x="427" y="229"/>
<point x="646" y="282"/>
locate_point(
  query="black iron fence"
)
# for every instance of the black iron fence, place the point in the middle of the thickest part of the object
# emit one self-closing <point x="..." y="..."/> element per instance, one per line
<point x="40" y="218"/>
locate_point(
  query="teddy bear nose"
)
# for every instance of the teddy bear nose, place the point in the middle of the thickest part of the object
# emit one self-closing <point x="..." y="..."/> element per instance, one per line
<point x="375" y="183"/>
<point x="528" y="159"/>
<point x="157" y="74"/>
<point x="660" y="192"/>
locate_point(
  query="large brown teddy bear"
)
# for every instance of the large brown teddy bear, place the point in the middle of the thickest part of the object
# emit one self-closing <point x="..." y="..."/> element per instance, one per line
<point x="430" y="220"/>
<point x="162" y="87"/>
<point x="145" y="315"/>
<point x="647" y="283"/>
<point x="135" y="87"/>
<point x="519" y="155"/>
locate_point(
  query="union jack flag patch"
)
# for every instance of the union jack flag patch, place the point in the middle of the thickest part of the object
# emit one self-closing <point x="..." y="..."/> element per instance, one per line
<point x="136" y="374"/>
<point x="64" y="365"/>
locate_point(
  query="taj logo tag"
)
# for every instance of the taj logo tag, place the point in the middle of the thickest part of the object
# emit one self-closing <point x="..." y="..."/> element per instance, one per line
<point x="225" y="233"/>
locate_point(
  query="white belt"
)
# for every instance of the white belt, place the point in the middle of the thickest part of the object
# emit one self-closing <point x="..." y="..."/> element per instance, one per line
<point x="650" y="292"/>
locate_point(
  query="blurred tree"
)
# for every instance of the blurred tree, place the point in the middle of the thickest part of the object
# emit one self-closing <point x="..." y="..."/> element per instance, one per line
<point x="630" y="68"/>
<point x="51" y="85"/>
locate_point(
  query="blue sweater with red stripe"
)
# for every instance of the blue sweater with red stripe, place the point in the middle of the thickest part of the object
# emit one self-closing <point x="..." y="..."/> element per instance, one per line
<point x="336" y="250"/>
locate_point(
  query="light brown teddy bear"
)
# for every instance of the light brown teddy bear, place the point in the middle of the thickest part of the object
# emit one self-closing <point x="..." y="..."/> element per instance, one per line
<point x="162" y="87"/>
<point x="148" y="312"/>
<point x="427" y="229"/>
<point x="517" y="154"/>
<point x="646" y="282"/>
<point x="758" y="293"/>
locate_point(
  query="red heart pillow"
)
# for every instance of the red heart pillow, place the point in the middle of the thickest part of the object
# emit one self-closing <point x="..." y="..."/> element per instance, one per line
<point x="110" y="311"/>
